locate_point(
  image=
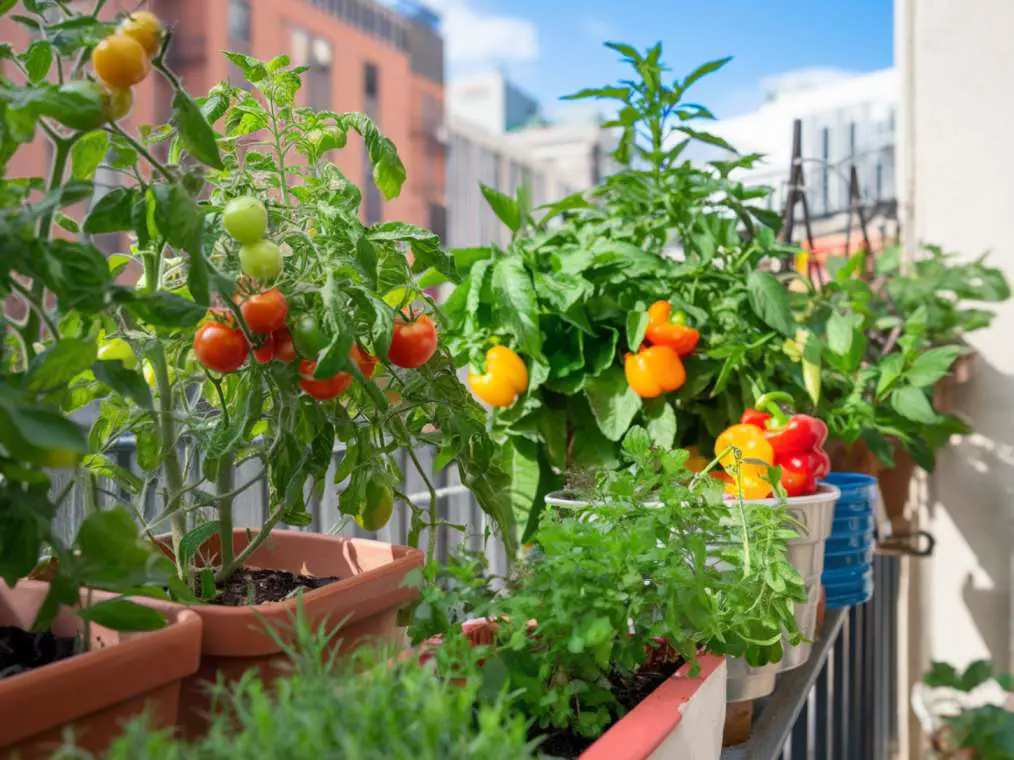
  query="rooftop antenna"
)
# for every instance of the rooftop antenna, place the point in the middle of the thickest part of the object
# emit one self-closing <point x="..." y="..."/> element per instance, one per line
<point x="797" y="194"/>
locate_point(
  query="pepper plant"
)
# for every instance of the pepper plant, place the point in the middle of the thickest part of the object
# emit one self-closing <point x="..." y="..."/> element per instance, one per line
<point x="665" y="245"/>
<point x="267" y="324"/>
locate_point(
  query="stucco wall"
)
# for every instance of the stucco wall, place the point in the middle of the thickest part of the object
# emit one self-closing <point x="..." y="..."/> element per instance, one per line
<point x="957" y="65"/>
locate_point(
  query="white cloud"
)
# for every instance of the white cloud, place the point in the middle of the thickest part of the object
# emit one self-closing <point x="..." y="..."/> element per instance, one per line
<point x="476" y="36"/>
<point x="798" y="80"/>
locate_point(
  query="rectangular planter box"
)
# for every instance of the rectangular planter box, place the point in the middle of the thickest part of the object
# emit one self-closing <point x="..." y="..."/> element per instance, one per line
<point x="362" y="605"/>
<point x="681" y="720"/>
<point x="94" y="693"/>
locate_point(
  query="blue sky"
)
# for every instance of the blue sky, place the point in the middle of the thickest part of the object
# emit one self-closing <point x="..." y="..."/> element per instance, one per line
<point x="552" y="47"/>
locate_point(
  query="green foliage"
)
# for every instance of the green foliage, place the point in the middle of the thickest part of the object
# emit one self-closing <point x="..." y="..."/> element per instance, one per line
<point x="189" y="424"/>
<point x="368" y="707"/>
<point x="571" y="290"/>
<point x="655" y="555"/>
<point x="987" y="731"/>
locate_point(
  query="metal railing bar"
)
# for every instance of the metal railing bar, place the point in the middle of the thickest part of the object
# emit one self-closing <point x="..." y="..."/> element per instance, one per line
<point x="772" y="728"/>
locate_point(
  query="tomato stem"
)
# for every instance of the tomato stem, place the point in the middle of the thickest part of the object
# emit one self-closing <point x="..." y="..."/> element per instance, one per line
<point x="157" y="165"/>
<point x="431" y="543"/>
<point x="170" y="455"/>
<point x="224" y="487"/>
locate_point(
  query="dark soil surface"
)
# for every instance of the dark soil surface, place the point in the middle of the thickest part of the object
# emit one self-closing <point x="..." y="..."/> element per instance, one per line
<point x="21" y="650"/>
<point x="629" y="692"/>
<point x="247" y="587"/>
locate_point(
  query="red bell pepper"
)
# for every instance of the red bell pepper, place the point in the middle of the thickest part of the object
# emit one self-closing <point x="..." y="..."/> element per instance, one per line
<point x="797" y="441"/>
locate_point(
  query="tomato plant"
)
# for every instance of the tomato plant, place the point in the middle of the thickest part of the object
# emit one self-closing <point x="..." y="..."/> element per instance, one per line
<point x="173" y="378"/>
<point x="413" y="343"/>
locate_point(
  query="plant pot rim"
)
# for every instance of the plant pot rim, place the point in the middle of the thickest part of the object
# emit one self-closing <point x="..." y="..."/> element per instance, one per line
<point x="402" y="556"/>
<point x="344" y="603"/>
<point x="825" y="493"/>
<point x="641" y="731"/>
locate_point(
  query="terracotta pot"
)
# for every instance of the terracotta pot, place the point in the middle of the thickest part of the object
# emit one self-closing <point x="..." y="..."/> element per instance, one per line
<point x="852" y="458"/>
<point x="682" y="718"/>
<point x="894" y="484"/>
<point x="96" y="692"/>
<point x="363" y="605"/>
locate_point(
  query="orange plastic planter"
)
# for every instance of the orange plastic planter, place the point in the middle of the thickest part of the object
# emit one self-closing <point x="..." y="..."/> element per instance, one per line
<point x="96" y="692"/>
<point x="363" y="605"/>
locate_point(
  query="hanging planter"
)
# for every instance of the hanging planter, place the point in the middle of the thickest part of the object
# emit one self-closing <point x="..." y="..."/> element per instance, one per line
<point x="353" y="585"/>
<point x="93" y="693"/>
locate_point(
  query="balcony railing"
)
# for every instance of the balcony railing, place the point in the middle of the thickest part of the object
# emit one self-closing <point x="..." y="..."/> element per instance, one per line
<point x="841" y="705"/>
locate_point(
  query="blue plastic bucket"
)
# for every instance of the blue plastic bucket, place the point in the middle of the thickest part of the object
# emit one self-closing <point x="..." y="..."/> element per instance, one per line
<point x="848" y="552"/>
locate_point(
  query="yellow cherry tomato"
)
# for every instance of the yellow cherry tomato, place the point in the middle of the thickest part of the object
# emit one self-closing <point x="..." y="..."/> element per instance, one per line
<point x="120" y="61"/>
<point x="144" y="27"/>
<point x="118" y="349"/>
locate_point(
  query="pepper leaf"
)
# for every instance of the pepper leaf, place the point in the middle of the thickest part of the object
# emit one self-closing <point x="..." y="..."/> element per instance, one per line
<point x="613" y="402"/>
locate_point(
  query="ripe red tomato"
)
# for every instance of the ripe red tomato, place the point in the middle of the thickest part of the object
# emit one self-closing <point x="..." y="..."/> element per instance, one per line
<point x="265" y="352"/>
<point x="220" y="348"/>
<point x="413" y="343"/>
<point x="285" y="351"/>
<point x="367" y="363"/>
<point x="325" y="389"/>
<point x="265" y="312"/>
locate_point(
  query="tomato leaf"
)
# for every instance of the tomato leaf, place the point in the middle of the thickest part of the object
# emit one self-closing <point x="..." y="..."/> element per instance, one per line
<point x="521" y="462"/>
<point x="614" y="404"/>
<point x="167" y="310"/>
<point x="120" y="614"/>
<point x="388" y="170"/>
<point x="87" y="154"/>
<point x="839" y="333"/>
<point x="37" y="60"/>
<point x="47" y="428"/>
<point x="196" y="135"/>
<point x="515" y="304"/>
<point x="192" y="542"/>
<point x="60" y="363"/>
<point x="126" y="382"/>
<point x="112" y="212"/>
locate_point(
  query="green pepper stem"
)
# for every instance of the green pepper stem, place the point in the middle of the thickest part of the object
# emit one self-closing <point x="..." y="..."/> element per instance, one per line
<point x="769" y="403"/>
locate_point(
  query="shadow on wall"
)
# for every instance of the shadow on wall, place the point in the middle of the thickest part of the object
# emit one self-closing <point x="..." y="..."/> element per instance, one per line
<point x="969" y="498"/>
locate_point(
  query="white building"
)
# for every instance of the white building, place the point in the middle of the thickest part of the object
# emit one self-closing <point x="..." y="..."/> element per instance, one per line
<point x="495" y="135"/>
<point x="846" y="120"/>
<point x="491" y="102"/>
<point x="476" y="156"/>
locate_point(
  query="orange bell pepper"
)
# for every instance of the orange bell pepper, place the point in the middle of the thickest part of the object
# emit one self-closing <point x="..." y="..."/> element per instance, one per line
<point x="750" y="481"/>
<point x="505" y="377"/>
<point x="654" y="371"/>
<point x="668" y="329"/>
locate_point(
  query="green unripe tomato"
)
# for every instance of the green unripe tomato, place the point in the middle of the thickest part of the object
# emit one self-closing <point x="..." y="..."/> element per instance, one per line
<point x="261" y="260"/>
<point x="308" y="337"/>
<point x="118" y="349"/>
<point x="378" y="506"/>
<point x="245" y="219"/>
<point x="119" y="101"/>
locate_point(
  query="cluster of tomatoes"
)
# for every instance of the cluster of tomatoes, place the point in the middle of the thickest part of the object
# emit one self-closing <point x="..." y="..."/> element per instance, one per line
<point x="222" y="347"/>
<point x="123" y="59"/>
<point x="658" y="368"/>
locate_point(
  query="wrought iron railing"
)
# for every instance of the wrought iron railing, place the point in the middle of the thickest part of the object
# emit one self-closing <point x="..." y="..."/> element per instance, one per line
<point x="843" y="704"/>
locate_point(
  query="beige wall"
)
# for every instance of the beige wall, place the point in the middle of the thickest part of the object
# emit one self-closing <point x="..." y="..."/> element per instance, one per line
<point x="957" y="184"/>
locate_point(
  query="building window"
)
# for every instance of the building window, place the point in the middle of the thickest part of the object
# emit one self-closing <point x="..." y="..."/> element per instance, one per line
<point x="371" y="84"/>
<point x="319" y="75"/>
<point x="239" y="20"/>
<point x="825" y="155"/>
